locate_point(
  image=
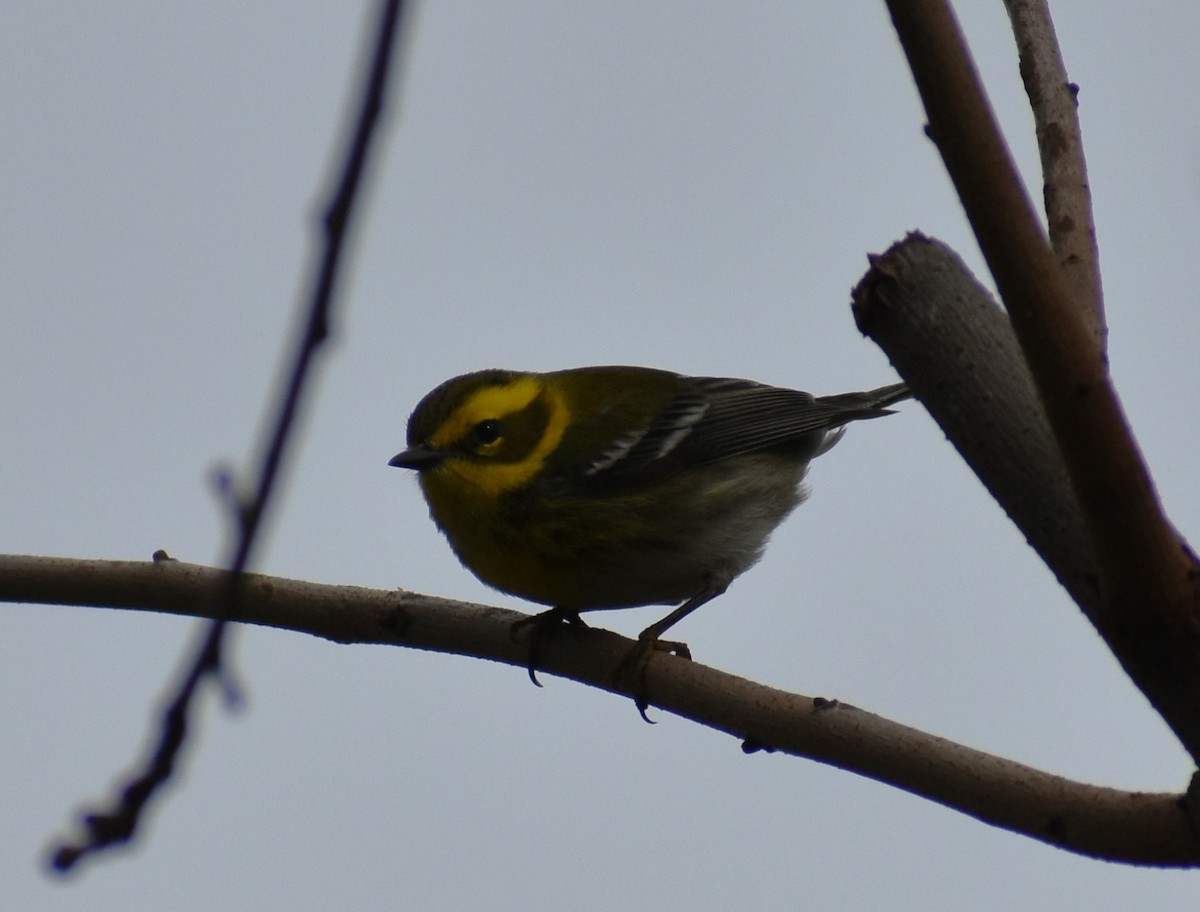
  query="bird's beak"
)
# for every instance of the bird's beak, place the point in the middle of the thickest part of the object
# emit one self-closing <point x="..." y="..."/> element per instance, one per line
<point x="419" y="456"/>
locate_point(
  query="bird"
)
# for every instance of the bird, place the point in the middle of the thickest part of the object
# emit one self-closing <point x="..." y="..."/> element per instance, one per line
<point x="615" y="487"/>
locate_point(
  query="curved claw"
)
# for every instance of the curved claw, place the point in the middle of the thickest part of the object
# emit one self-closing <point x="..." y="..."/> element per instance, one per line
<point x="631" y="676"/>
<point x="544" y="623"/>
<point x="631" y="673"/>
<point x="642" y="706"/>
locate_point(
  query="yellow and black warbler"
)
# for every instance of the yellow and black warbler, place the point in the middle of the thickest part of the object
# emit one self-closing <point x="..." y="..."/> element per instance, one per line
<point x="613" y="487"/>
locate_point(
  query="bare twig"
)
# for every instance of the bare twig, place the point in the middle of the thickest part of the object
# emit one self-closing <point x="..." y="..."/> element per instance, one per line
<point x="105" y="829"/>
<point x="1130" y="827"/>
<point x="1149" y="579"/>
<point x="1068" y="200"/>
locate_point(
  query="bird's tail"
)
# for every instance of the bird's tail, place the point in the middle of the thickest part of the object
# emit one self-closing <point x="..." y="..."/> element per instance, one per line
<point x="871" y="404"/>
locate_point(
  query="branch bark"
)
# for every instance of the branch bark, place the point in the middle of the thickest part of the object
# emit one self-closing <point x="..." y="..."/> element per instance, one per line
<point x="956" y="348"/>
<point x="1065" y="191"/>
<point x="1149" y="608"/>
<point x="1130" y="827"/>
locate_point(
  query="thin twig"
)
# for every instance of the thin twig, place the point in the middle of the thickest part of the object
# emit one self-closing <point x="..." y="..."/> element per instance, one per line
<point x="119" y="825"/>
<point x="1067" y="196"/>
<point x="1130" y="827"/>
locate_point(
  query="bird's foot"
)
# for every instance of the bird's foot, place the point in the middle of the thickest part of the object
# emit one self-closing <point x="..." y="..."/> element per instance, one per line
<point x="542" y="625"/>
<point x="631" y="673"/>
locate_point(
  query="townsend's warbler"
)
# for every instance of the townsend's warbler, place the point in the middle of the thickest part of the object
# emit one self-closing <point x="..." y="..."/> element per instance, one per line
<point x="611" y="487"/>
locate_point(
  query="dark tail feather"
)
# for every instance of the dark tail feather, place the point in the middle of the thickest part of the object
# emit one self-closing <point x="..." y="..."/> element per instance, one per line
<point x="871" y="404"/>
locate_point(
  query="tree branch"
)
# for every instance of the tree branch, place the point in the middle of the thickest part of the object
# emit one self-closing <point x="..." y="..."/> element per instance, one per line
<point x="1130" y="827"/>
<point x="1149" y="579"/>
<point x="956" y="348"/>
<point x="1066" y="195"/>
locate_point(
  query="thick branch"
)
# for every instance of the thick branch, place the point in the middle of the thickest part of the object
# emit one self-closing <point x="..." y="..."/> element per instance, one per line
<point x="954" y="345"/>
<point x="1132" y="827"/>
<point x="1067" y="197"/>
<point x="956" y="348"/>
<point x="1149" y="579"/>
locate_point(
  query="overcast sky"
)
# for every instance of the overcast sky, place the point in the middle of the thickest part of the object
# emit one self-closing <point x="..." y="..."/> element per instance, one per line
<point x="690" y="185"/>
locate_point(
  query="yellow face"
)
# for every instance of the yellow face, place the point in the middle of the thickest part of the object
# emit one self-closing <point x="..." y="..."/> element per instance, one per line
<point x="497" y="448"/>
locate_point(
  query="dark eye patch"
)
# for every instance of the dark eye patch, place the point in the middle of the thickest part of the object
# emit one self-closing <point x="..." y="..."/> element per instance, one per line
<point x="486" y="432"/>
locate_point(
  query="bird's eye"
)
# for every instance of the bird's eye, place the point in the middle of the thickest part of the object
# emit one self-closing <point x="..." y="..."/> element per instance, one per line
<point x="487" y="431"/>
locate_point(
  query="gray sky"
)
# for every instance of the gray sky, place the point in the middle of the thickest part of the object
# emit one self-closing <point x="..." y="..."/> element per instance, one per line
<point x="687" y="185"/>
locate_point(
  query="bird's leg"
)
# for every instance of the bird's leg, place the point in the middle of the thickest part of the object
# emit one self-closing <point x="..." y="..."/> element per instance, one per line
<point x="632" y="670"/>
<point x="543" y="624"/>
